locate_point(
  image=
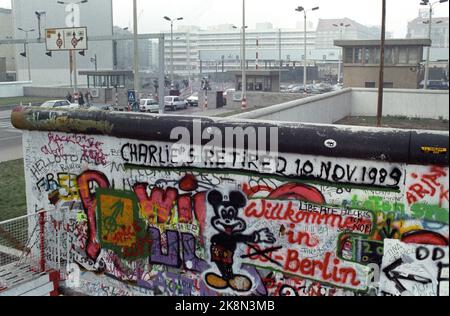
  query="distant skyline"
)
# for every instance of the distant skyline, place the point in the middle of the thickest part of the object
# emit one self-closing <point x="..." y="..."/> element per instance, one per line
<point x="279" y="13"/>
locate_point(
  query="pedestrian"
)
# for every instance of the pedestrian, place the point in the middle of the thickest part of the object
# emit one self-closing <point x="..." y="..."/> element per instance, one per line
<point x="81" y="100"/>
<point x="69" y="97"/>
<point x="88" y="98"/>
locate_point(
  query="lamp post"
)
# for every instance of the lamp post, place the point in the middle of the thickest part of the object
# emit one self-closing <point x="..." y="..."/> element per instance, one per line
<point x="430" y="21"/>
<point x="136" y="49"/>
<point x="244" y="62"/>
<point x="171" y="46"/>
<point x="279" y="59"/>
<point x="72" y="56"/>
<point x="26" y="52"/>
<point x="94" y="60"/>
<point x="341" y="27"/>
<point x="39" y="15"/>
<point x="305" y="11"/>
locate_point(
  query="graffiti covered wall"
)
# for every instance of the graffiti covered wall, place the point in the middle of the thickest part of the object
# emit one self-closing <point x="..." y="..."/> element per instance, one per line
<point x="139" y="221"/>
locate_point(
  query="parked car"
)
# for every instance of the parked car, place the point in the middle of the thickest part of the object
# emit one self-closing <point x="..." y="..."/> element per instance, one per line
<point x="101" y="107"/>
<point x="297" y="89"/>
<point x="149" y="106"/>
<point x="60" y="104"/>
<point x="435" y="85"/>
<point x="229" y="92"/>
<point x="237" y="97"/>
<point x="175" y="103"/>
<point x="193" y="99"/>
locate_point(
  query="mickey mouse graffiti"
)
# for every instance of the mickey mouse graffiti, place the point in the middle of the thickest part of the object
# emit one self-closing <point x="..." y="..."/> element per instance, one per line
<point x="230" y="228"/>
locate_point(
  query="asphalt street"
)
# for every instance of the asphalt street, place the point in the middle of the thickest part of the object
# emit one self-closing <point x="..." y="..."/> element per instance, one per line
<point x="10" y="139"/>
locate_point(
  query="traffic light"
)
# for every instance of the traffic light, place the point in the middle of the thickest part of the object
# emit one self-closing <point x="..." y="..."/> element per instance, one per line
<point x="49" y="54"/>
<point x="82" y="53"/>
<point x="24" y="54"/>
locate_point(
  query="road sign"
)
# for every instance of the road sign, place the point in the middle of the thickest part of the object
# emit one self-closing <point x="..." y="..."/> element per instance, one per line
<point x="131" y="96"/>
<point x="62" y="39"/>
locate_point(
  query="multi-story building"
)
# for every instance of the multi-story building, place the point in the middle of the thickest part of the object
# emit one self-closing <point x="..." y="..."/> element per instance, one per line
<point x="218" y="48"/>
<point x="96" y="15"/>
<point x="419" y="27"/>
<point x="7" y="52"/>
<point x="439" y="55"/>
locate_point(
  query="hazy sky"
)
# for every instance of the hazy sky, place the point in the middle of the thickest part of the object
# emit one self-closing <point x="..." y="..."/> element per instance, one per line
<point x="279" y="12"/>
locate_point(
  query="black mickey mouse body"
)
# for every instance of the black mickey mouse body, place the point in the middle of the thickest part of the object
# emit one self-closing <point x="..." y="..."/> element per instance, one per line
<point x="230" y="228"/>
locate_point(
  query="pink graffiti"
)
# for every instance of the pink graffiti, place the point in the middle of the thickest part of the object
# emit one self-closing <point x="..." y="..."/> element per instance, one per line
<point x="90" y="148"/>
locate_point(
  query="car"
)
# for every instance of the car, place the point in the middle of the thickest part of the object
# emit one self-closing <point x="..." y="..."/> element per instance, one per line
<point x="237" y="97"/>
<point x="297" y="89"/>
<point x="149" y="106"/>
<point x="175" y="103"/>
<point x="229" y="92"/>
<point x="60" y="104"/>
<point x="435" y="85"/>
<point x="100" y="107"/>
<point x="193" y="99"/>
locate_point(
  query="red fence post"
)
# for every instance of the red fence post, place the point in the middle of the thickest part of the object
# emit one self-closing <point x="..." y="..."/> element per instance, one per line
<point x="42" y="240"/>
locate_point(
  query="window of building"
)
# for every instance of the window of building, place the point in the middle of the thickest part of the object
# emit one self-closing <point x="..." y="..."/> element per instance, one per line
<point x="370" y="84"/>
<point x="358" y="55"/>
<point x="388" y="85"/>
<point x="377" y="55"/>
<point x="413" y="55"/>
<point x="348" y="55"/>
<point x="389" y="56"/>
<point x="403" y="55"/>
<point x="367" y="55"/>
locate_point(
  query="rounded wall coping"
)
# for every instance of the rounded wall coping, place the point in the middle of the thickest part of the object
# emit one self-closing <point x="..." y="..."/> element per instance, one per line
<point x="14" y="83"/>
<point x="288" y="105"/>
<point x="408" y="91"/>
<point x="365" y="143"/>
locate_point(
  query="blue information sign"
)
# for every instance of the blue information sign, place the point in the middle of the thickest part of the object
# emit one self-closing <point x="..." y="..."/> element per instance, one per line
<point x="131" y="96"/>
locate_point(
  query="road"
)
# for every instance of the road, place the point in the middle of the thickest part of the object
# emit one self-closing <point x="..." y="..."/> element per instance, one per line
<point x="10" y="139"/>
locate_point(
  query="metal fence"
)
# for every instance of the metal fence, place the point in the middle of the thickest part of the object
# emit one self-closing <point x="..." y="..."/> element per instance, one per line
<point x="22" y="249"/>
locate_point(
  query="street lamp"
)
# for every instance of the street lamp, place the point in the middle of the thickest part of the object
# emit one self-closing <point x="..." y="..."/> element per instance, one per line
<point x="341" y="27"/>
<point x="244" y="63"/>
<point x="240" y="34"/>
<point x="26" y="52"/>
<point x="39" y="14"/>
<point x="427" y="67"/>
<point x="171" y="45"/>
<point x="302" y="9"/>
<point x="72" y="56"/>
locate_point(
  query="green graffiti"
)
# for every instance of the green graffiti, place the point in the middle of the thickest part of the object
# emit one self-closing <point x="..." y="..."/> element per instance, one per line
<point x="377" y="204"/>
<point x="432" y="213"/>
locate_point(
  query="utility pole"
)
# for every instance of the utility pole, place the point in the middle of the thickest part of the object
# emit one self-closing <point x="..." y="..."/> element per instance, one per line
<point x="244" y="63"/>
<point x="279" y="58"/>
<point x="381" y="79"/>
<point x="136" y="47"/>
<point x="305" y="67"/>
